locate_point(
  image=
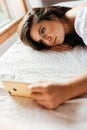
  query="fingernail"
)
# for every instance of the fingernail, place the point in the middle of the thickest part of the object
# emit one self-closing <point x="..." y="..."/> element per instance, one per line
<point x="29" y="87"/>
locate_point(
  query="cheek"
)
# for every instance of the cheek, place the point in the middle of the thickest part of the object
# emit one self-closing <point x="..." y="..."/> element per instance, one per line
<point x="60" y="34"/>
<point x="34" y="35"/>
<point x="61" y="31"/>
<point x="56" y="29"/>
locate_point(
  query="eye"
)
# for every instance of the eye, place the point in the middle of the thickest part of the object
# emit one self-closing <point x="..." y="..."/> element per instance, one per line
<point x="42" y="31"/>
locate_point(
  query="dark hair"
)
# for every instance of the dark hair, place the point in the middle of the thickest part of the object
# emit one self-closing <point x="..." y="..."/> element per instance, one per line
<point x="39" y="14"/>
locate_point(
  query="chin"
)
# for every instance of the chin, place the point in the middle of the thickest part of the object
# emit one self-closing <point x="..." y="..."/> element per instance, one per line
<point x="60" y="43"/>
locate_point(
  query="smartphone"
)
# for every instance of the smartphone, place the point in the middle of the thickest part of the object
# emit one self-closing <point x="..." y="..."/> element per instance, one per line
<point x="17" y="88"/>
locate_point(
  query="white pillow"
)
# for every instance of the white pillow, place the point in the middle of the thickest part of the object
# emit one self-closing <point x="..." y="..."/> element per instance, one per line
<point x="22" y="63"/>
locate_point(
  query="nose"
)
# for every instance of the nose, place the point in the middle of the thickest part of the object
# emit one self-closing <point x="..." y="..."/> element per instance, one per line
<point x="48" y="39"/>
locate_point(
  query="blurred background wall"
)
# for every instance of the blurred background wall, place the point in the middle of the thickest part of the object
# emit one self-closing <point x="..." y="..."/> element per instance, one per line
<point x="36" y="3"/>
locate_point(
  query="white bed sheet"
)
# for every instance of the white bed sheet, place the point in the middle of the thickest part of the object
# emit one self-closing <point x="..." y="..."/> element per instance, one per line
<point x="21" y="63"/>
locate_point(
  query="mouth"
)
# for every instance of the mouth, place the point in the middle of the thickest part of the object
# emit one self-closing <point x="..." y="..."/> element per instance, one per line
<point x="55" y="40"/>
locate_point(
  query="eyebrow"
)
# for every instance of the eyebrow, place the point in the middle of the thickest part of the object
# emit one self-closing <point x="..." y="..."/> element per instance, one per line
<point x="40" y="29"/>
<point x="39" y="34"/>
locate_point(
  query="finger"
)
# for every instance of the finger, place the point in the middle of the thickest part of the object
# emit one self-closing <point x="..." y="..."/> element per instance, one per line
<point x="41" y="96"/>
<point x="41" y="102"/>
<point x="42" y="84"/>
<point x="45" y="104"/>
<point x="38" y="96"/>
<point x="38" y="90"/>
<point x="35" y="88"/>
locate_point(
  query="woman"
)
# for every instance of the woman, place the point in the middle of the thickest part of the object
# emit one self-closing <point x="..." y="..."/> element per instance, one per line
<point x="60" y="28"/>
<point x="62" y="34"/>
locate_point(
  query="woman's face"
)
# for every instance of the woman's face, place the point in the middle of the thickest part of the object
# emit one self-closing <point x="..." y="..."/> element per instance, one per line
<point x="50" y="32"/>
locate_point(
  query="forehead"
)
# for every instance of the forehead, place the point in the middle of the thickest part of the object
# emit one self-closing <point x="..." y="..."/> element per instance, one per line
<point x="34" y="30"/>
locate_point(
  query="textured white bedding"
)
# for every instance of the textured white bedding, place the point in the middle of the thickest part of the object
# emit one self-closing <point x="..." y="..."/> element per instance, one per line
<point x="21" y="63"/>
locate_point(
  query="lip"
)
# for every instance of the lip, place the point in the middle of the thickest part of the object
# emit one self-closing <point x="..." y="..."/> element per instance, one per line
<point x="55" y="40"/>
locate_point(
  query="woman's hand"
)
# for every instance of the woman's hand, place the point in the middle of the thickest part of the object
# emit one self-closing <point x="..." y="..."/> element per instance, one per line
<point x="49" y="94"/>
<point x="61" y="48"/>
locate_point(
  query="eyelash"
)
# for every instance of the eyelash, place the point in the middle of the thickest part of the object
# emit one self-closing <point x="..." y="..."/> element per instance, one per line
<point x="41" y="31"/>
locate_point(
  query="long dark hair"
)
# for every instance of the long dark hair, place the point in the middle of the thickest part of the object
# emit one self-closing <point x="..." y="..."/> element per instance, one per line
<point x="44" y="13"/>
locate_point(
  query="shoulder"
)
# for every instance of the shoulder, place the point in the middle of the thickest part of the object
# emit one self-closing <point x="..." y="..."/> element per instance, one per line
<point x="72" y="13"/>
<point x="80" y="24"/>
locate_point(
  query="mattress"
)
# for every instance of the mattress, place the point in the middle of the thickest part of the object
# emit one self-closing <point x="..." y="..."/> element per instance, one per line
<point x="22" y="63"/>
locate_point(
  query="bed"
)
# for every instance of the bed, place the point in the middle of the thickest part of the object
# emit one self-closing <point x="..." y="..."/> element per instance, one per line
<point x="22" y="63"/>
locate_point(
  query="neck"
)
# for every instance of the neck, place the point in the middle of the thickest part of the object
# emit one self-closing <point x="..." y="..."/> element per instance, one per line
<point x="68" y="25"/>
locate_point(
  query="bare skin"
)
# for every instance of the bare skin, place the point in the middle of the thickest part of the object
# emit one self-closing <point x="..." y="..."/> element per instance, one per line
<point x="51" y="94"/>
<point x="52" y="32"/>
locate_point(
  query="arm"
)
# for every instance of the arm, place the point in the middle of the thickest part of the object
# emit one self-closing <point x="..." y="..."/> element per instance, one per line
<point x="51" y="94"/>
<point x="73" y="12"/>
<point x="71" y="15"/>
<point x="78" y="86"/>
<point x="61" y="48"/>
